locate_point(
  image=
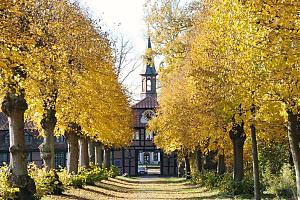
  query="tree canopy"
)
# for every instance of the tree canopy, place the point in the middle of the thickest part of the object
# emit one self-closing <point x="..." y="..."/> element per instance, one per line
<point x="62" y="60"/>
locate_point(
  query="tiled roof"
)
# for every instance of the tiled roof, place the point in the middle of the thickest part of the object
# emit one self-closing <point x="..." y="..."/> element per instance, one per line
<point x="4" y="123"/>
<point x="147" y="103"/>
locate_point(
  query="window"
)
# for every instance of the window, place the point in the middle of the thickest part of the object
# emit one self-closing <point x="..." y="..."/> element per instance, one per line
<point x="149" y="135"/>
<point x="6" y="139"/>
<point x="3" y="158"/>
<point x="60" y="139"/>
<point x="117" y="163"/>
<point x="60" y="159"/>
<point x="136" y="135"/>
<point x="28" y="138"/>
<point x="148" y="84"/>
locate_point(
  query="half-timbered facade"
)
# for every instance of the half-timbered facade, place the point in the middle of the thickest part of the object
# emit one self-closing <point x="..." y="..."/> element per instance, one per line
<point x="143" y="151"/>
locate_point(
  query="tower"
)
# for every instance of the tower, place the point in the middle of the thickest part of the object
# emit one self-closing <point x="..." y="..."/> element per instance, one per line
<point x="149" y="75"/>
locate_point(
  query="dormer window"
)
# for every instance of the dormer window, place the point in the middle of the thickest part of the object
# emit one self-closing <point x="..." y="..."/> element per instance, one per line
<point x="136" y="135"/>
<point x="149" y="135"/>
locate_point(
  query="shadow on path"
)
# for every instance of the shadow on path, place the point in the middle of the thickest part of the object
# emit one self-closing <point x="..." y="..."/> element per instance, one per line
<point x="99" y="192"/>
<point x="73" y="197"/>
<point x="152" y="180"/>
<point x="141" y="188"/>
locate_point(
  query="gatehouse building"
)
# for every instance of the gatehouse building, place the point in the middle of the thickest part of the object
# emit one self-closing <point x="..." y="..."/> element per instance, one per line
<point x="143" y="157"/>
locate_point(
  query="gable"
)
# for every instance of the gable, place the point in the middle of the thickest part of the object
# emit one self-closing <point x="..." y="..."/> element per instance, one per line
<point x="148" y="103"/>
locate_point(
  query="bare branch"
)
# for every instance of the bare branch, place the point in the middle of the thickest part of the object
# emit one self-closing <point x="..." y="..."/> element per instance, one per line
<point x="123" y="52"/>
<point x="134" y="67"/>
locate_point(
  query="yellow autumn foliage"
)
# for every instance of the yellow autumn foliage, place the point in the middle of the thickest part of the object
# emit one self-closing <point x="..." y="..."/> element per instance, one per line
<point x="67" y="65"/>
<point x="237" y="54"/>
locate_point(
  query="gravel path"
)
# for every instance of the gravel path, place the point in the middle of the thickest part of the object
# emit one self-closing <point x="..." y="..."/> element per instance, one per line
<point x="138" y="188"/>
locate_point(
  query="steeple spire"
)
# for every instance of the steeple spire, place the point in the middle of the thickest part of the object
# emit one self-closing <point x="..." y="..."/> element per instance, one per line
<point x="150" y="68"/>
<point x="149" y="43"/>
<point x="149" y="74"/>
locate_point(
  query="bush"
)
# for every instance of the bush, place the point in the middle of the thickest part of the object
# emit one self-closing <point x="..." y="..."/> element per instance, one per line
<point x="46" y="182"/>
<point x="6" y="191"/>
<point x="269" y="153"/>
<point x="94" y="174"/>
<point x="224" y="183"/>
<point x="87" y="176"/>
<point x="208" y="179"/>
<point x="54" y="183"/>
<point x="114" y="171"/>
<point x="230" y="186"/>
<point x="74" y="180"/>
<point x="283" y="184"/>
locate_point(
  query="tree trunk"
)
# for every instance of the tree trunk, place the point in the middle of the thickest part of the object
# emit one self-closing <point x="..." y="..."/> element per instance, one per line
<point x="98" y="154"/>
<point x="91" y="151"/>
<point x="107" y="157"/>
<point x="294" y="139"/>
<point x="47" y="147"/>
<point x="238" y="137"/>
<point x="73" y="151"/>
<point x="180" y="168"/>
<point x="187" y="166"/>
<point x="83" y="152"/>
<point x="221" y="168"/>
<point x="255" y="162"/>
<point x="14" y="107"/>
<point x="254" y="156"/>
<point x="198" y="156"/>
